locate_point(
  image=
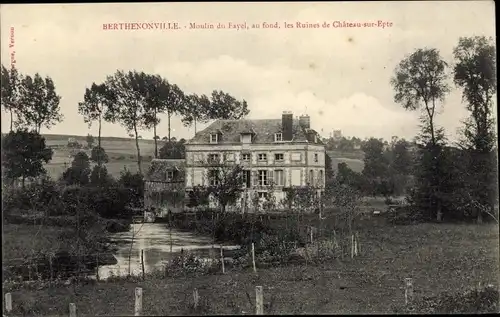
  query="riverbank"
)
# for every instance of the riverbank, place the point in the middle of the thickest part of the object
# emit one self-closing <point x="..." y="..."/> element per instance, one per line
<point x="439" y="257"/>
<point x="35" y="246"/>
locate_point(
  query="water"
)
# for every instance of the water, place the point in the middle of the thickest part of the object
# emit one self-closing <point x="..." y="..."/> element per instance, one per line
<point x="154" y="240"/>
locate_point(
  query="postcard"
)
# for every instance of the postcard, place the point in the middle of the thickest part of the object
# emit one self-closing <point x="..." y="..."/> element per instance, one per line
<point x="249" y="158"/>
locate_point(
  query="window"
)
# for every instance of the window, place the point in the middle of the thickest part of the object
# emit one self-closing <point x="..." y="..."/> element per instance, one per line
<point x="278" y="137"/>
<point x="279" y="178"/>
<point x="213" y="138"/>
<point x="262" y="157"/>
<point x="213" y="158"/>
<point x="246" y="138"/>
<point x="245" y="157"/>
<point x="246" y="178"/>
<point x="213" y="177"/>
<point x="316" y="157"/>
<point x="170" y="175"/>
<point x="279" y="157"/>
<point x="262" y="178"/>
<point x="311" y="177"/>
<point x="296" y="157"/>
<point x="262" y="195"/>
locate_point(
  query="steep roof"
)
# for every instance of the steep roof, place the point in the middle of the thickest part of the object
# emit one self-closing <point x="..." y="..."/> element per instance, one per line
<point x="158" y="169"/>
<point x="263" y="131"/>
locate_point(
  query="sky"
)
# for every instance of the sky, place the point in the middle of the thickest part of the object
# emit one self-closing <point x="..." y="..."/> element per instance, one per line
<point x="339" y="76"/>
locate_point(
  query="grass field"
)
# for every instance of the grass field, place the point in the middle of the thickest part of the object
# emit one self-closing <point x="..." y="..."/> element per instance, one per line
<point x="122" y="154"/>
<point x="439" y="258"/>
<point x="21" y="240"/>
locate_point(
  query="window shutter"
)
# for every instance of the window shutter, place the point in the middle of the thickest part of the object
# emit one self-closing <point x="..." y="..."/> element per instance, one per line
<point x="270" y="177"/>
<point x="283" y="178"/>
<point x="255" y="177"/>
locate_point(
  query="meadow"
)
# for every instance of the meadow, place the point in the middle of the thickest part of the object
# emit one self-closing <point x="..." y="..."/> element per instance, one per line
<point x="123" y="154"/>
<point x="439" y="257"/>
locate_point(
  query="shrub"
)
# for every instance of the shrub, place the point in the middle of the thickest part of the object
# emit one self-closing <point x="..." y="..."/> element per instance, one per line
<point x="108" y="202"/>
<point x="189" y="263"/>
<point x="484" y="300"/>
<point x="114" y="226"/>
<point x="35" y="196"/>
<point x="403" y="215"/>
<point x="101" y="177"/>
<point x="134" y="183"/>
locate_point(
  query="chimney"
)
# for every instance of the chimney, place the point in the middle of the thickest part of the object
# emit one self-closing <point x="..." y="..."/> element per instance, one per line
<point x="287" y="125"/>
<point x="305" y="122"/>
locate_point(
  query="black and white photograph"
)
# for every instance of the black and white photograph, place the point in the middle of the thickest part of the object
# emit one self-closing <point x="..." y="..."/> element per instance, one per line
<point x="249" y="158"/>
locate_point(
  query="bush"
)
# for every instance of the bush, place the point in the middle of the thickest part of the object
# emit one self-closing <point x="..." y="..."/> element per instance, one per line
<point x="475" y="301"/>
<point x="101" y="177"/>
<point x="238" y="229"/>
<point x="109" y="202"/>
<point x="114" y="226"/>
<point x="35" y="196"/>
<point x="189" y="263"/>
<point x="134" y="183"/>
<point x="404" y="215"/>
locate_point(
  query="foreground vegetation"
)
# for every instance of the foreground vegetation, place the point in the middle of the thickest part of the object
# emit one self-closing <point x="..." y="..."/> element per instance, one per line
<point x="439" y="257"/>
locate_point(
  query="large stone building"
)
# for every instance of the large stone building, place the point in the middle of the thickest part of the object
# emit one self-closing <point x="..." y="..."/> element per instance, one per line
<point x="275" y="153"/>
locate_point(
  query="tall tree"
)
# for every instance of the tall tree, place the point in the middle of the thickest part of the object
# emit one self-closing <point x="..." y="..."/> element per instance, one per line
<point x="475" y="73"/>
<point x="128" y="94"/>
<point x="225" y="106"/>
<point x="196" y="109"/>
<point x="376" y="166"/>
<point x="94" y="108"/>
<point x="10" y="92"/>
<point x="40" y="103"/>
<point x="162" y="96"/>
<point x="401" y="158"/>
<point x="419" y="84"/>
<point x="23" y="155"/>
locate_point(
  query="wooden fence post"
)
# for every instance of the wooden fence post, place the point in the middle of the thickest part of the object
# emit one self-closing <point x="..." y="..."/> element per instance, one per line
<point x="97" y="266"/>
<point x="253" y="259"/>
<point x="51" y="268"/>
<point x="196" y="298"/>
<point x="72" y="310"/>
<point x="356" y="244"/>
<point x="352" y="246"/>
<point x="222" y="260"/>
<point x="259" y="300"/>
<point x="138" y="302"/>
<point x="142" y="265"/>
<point x="8" y="302"/>
<point x="408" y="290"/>
<point x="311" y="228"/>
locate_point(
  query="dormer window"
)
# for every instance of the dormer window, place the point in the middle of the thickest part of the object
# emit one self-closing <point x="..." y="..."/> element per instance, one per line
<point x="214" y="138"/>
<point x="246" y="138"/>
<point x="278" y="137"/>
<point x="170" y="175"/>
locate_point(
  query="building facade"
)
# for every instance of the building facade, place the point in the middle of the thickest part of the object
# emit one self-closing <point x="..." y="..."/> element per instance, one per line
<point x="275" y="154"/>
<point x="164" y="187"/>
